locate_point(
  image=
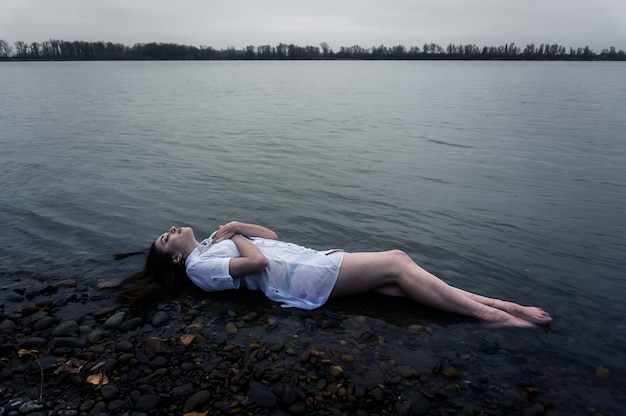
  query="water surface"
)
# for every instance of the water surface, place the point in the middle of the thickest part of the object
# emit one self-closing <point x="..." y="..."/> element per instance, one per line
<point x="504" y="178"/>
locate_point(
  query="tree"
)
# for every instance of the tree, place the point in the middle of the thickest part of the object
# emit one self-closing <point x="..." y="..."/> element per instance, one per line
<point x="5" y="49"/>
<point x="325" y="49"/>
<point x="21" y="48"/>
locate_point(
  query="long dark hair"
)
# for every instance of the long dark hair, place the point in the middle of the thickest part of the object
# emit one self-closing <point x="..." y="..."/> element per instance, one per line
<point x="158" y="278"/>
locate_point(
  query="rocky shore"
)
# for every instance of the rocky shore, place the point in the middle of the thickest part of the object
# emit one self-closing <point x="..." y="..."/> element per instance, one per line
<point x="68" y="349"/>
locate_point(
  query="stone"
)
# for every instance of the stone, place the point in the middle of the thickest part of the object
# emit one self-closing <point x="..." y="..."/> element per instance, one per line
<point x="318" y="351"/>
<point x="70" y="342"/>
<point x="335" y="371"/>
<point x="231" y="328"/>
<point x="197" y="400"/>
<point x="44" y="323"/>
<point x="420" y="406"/>
<point x="602" y="373"/>
<point x="152" y="347"/>
<point x="451" y="373"/>
<point x="115" y="320"/>
<point x="183" y="391"/>
<point x="124" y="346"/>
<point x="130" y="325"/>
<point x="109" y="392"/>
<point x="66" y="328"/>
<point x="261" y="395"/>
<point x="160" y="318"/>
<point x="148" y="402"/>
<point x="94" y="336"/>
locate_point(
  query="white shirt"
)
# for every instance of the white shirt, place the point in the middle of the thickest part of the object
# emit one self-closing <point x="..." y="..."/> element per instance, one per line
<point x="296" y="276"/>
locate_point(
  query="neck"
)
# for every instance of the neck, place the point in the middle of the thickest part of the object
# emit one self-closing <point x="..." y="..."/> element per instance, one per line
<point x="190" y="248"/>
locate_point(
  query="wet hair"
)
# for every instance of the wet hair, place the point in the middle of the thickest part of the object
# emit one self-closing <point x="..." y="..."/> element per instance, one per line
<point x="159" y="277"/>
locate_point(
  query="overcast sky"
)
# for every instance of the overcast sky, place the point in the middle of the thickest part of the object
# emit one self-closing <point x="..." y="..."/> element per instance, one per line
<point x="577" y="23"/>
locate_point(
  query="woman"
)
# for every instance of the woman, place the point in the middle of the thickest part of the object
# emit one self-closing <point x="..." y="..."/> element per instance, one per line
<point x="248" y="255"/>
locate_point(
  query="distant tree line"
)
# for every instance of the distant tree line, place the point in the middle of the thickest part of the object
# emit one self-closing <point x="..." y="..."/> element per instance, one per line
<point x="80" y="50"/>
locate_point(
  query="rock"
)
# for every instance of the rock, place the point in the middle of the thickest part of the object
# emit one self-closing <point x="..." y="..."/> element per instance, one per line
<point x="261" y="395"/>
<point x="109" y="392"/>
<point x="30" y="407"/>
<point x="420" y="406"/>
<point x="66" y="328"/>
<point x="7" y="325"/>
<point x="44" y="323"/>
<point x="152" y="347"/>
<point x="377" y="393"/>
<point x="160" y="318"/>
<point x="347" y="358"/>
<point x="183" y="391"/>
<point x="602" y="373"/>
<point x="130" y="325"/>
<point x="115" y="320"/>
<point x="158" y="362"/>
<point x="318" y="351"/>
<point x="536" y="410"/>
<point x="335" y="371"/>
<point x="196" y="401"/>
<point x="94" y="336"/>
<point x="124" y="346"/>
<point x="451" y="373"/>
<point x="148" y="402"/>
<point x="34" y="342"/>
<point x="70" y="342"/>
<point x="231" y="328"/>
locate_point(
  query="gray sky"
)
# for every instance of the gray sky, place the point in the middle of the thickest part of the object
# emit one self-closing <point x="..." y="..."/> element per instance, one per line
<point x="577" y="23"/>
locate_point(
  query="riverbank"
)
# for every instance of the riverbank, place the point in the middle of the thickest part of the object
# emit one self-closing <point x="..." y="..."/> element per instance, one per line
<point x="68" y="349"/>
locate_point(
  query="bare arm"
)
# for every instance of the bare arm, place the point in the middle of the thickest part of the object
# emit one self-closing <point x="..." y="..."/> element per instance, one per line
<point x="251" y="260"/>
<point x="226" y="231"/>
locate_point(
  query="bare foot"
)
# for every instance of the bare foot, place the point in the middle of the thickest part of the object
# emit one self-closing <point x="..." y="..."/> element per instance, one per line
<point x="528" y="313"/>
<point x="501" y="319"/>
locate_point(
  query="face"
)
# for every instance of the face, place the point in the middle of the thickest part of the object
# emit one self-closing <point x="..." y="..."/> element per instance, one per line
<point x="174" y="241"/>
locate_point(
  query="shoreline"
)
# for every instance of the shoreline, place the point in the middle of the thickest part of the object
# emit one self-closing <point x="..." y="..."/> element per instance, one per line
<point x="238" y="353"/>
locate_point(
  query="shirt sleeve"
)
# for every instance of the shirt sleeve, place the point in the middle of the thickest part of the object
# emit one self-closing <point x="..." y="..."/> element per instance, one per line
<point x="210" y="271"/>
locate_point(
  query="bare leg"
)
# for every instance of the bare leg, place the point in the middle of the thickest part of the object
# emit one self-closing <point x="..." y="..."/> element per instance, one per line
<point x="527" y="313"/>
<point x="363" y="272"/>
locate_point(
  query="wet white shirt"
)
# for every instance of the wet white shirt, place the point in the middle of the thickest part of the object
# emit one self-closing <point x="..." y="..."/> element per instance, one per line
<point x="296" y="276"/>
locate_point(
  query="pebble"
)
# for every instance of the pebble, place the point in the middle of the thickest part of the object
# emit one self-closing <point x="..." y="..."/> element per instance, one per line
<point x="231" y="328"/>
<point x="115" y="320"/>
<point x="217" y="357"/>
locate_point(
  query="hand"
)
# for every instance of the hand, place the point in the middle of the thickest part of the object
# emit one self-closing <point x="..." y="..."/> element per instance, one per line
<point x="226" y="231"/>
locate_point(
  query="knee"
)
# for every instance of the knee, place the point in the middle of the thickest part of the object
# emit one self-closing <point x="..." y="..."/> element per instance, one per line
<point x="400" y="259"/>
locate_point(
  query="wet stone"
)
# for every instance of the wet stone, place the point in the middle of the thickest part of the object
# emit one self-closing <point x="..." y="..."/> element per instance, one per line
<point x="160" y="318"/>
<point x="124" y="346"/>
<point x="153" y="347"/>
<point x="159" y="362"/>
<point x="115" y="320"/>
<point x="420" y="406"/>
<point x="109" y="392"/>
<point x="231" y="328"/>
<point x="66" y="328"/>
<point x="261" y="395"/>
<point x="196" y="401"/>
<point x="183" y="391"/>
<point x="34" y="342"/>
<point x="44" y="323"/>
<point x="68" y="342"/>
<point x="7" y="325"/>
<point x="130" y="325"/>
<point x="148" y="402"/>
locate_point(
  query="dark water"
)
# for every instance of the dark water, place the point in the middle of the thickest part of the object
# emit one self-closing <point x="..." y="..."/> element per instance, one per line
<point x="507" y="179"/>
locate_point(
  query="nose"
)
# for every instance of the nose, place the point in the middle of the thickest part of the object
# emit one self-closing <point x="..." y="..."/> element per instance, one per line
<point x="173" y="229"/>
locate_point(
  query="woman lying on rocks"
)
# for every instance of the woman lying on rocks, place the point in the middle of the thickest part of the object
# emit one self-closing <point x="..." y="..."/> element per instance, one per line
<point x="251" y="256"/>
